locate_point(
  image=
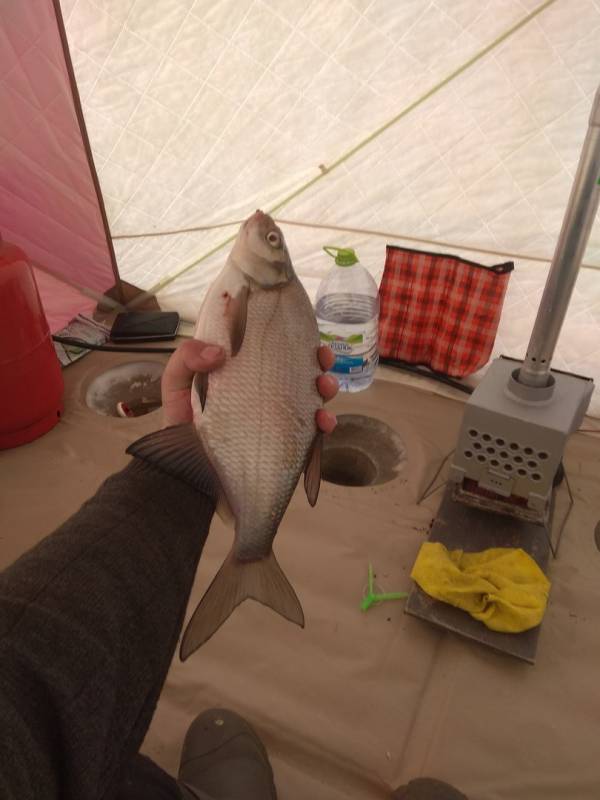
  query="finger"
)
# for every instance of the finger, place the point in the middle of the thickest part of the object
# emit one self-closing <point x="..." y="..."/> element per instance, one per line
<point x="191" y="357"/>
<point x="327" y="386"/>
<point x="326" y="357"/>
<point x="326" y="421"/>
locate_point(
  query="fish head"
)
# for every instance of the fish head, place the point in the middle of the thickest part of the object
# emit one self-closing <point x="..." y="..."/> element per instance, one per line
<point x="261" y="253"/>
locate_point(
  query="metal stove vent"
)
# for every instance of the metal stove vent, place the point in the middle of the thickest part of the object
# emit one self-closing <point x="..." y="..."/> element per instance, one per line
<point x="510" y="457"/>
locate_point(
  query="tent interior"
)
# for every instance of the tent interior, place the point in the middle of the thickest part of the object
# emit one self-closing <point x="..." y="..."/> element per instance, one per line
<point x="135" y="136"/>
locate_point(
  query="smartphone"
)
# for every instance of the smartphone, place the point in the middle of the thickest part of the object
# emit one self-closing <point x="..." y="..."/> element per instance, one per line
<point x="144" y="326"/>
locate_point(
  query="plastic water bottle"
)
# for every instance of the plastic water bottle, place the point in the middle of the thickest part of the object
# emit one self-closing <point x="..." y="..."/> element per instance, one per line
<point x="347" y="309"/>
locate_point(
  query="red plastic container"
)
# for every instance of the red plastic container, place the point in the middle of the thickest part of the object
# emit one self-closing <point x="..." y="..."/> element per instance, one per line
<point x="31" y="383"/>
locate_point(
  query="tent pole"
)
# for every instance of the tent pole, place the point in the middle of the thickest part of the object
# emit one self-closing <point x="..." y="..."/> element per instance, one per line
<point x="118" y="289"/>
<point x="574" y="235"/>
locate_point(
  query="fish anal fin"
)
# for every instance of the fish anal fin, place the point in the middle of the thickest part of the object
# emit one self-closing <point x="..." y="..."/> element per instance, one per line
<point x="178" y="451"/>
<point x="312" y="470"/>
<point x="236" y="311"/>
<point x="235" y="582"/>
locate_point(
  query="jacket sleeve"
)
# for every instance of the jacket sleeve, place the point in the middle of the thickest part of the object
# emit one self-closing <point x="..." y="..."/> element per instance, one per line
<point x="89" y="621"/>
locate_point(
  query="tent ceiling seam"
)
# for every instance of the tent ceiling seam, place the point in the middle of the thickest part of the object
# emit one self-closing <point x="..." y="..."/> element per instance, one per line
<point x="359" y="231"/>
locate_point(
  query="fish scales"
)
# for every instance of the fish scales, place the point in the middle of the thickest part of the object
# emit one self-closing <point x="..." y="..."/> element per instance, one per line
<point x="265" y="399"/>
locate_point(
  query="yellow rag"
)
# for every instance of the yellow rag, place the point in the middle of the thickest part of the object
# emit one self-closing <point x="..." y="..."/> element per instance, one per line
<point x="502" y="587"/>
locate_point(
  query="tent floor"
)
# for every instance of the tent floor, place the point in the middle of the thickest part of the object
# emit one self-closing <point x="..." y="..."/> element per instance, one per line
<point x="358" y="703"/>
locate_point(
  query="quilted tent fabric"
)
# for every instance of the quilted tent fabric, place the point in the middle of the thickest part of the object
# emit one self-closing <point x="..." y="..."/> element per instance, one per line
<point x="449" y="125"/>
<point x="48" y="202"/>
<point x="200" y="111"/>
<point x="440" y="311"/>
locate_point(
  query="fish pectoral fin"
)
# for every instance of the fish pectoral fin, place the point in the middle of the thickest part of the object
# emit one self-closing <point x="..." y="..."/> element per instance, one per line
<point x="312" y="470"/>
<point x="178" y="451"/>
<point x="224" y="511"/>
<point x="235" y="582"/>
<point x="236" y="312"/>
<point x="201" y="387"/>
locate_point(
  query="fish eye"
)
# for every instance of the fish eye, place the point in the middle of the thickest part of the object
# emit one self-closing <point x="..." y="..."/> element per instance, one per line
<point x="273" y="239"/>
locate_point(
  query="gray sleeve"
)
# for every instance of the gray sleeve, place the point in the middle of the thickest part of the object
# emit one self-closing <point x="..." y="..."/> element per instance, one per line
<point x="89" y="621"/>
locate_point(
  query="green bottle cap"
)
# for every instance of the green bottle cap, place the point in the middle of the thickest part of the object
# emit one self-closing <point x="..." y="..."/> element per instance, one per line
<point x="344" y="256"/>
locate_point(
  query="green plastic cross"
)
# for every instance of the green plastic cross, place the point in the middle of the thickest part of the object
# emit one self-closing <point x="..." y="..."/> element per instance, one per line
<point x="372" y="597"/>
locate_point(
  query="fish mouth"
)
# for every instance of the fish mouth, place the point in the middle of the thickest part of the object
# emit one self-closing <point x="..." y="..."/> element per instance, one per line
<point x="260" y="216"/>
<point x="263" y="224"/>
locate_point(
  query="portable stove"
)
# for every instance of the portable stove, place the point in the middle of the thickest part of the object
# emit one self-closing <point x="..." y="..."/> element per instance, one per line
<point x="518" y="420"/>
<point x="514" y="431"/>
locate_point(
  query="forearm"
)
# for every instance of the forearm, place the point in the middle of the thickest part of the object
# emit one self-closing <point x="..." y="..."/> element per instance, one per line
<point x="89" y="620"/>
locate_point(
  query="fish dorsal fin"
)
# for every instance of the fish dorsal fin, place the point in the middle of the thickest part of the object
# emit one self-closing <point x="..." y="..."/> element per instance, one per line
<point x="178" y="451"/>
<point x="312" y="470"/>
<point x="236" y="312"/>
<point x="236" y="581"/>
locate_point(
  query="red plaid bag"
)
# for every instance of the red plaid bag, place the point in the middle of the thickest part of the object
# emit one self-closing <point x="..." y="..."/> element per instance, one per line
<point x="440" y="311"/>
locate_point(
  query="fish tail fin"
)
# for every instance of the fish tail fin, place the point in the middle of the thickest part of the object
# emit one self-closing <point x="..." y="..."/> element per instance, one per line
<point x="235" y="582"/>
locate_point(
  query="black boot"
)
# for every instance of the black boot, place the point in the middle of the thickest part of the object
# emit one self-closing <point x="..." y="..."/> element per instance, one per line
<point x="223" y="759"/>
<point x="427" y="789"/>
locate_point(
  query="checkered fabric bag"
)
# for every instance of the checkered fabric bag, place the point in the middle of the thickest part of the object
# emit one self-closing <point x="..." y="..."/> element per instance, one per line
<point x="440" y="311"/>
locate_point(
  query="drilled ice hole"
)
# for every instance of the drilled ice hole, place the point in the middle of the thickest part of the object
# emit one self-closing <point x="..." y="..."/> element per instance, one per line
<point x="473" y="433"/>
<point x="362" y="451"/>
<point x="468" y="454"/>
<point x="135" y="383"/>
<point x="486" y="437"/>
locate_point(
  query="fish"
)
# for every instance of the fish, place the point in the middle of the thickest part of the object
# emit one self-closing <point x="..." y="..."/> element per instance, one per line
<point x="254" y="430"/>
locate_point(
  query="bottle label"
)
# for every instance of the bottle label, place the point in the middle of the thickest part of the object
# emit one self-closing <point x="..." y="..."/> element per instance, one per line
<point x="347" y="360"/>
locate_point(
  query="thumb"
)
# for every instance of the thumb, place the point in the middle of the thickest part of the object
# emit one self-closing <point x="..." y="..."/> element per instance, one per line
<point x="191" y="357"/>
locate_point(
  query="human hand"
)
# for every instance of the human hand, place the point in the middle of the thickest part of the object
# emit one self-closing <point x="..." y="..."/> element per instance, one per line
<point x="193" y="356"/>
<point x="328" y="388"/>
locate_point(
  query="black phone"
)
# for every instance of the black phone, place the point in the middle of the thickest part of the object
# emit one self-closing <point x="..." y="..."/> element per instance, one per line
<point x="144" y="326"/>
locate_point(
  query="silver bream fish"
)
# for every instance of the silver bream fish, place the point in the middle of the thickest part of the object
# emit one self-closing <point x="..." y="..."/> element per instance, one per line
<point x="254" y="421"/>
